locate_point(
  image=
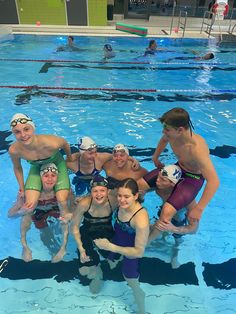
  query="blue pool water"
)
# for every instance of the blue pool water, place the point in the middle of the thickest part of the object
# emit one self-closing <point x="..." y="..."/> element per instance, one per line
<point x="117" y="102"/>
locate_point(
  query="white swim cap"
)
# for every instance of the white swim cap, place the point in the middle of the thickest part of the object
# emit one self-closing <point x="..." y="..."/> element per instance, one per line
<point x="172" y="172"/>
<point x="22" y="119"/>
<point x="86" y="143"/>
<point x="121" y="147"/>
<point x="48" y="167"/>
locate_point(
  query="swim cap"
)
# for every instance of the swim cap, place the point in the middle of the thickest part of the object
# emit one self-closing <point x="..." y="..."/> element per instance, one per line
<point x="108" y="47"/>
<point x="86" y="143"/>
<point x="172" y="172"/>
<point x="98" y="180"/>
<point x="22" y="119"/>
<point x="120" y="147"/>
<point x="48" y="167"/>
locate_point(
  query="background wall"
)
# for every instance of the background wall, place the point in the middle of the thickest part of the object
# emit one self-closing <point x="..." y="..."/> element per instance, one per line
<point x="8" y="13"/>
<point x="77" y="12"/>
<point x="97" y="12"/>
<point x="54" y="12"/>
<point x="46" y="11"/>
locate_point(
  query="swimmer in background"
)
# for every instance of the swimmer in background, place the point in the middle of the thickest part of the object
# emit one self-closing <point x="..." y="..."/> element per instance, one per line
<point x="206" y="57"/>
<point x="152" y="48"/>
<point x="38" y="150"/>
<point x="121" y="167"/>
<point x="44" y="215"/>
<point x="131" y="228"/>
<point x="70" y="45"/>
<point x="108" y="52"/>
<point x="88" y="163"/>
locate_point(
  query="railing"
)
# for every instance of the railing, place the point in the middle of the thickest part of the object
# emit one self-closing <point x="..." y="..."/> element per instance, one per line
<point x="208" y="21"/>
<point x="173" y="15"/>
<point x="231" y="28"/>
<point x="182" y="21"/>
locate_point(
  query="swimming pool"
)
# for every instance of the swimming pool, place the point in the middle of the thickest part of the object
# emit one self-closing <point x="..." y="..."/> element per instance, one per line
<point x="117" y="102"/>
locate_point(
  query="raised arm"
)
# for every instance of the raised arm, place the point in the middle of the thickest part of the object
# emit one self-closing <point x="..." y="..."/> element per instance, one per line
<point x="159" y="149"/>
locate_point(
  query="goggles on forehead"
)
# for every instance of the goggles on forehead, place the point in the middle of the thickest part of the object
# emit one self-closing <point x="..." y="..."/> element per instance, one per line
<point x="20" y="120"/>
<point x="104" y="183"/>
<point x="123" y="151"/>
<point x="91" y="147"/>
<point x="46" y="170"/>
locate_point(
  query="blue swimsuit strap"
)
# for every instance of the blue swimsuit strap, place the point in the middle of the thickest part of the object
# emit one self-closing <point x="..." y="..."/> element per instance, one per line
<point x="128" y="222"/>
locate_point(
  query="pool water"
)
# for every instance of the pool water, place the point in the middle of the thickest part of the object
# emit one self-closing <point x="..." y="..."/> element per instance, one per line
<point x="74" y="94"/>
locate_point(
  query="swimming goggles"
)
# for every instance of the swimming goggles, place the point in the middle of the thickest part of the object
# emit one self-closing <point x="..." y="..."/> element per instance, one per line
<point x="46" y="170"/>
<point x="21" y="121"/>
<point x="94" y="183"/>
<point x="91" y="147"/>
<point x="123" y="151"/>
<point x="164" y="173"/>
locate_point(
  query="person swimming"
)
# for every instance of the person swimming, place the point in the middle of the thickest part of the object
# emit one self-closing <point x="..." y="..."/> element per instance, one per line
<point x="69" y="46"/>
<point x="108" y="52"/>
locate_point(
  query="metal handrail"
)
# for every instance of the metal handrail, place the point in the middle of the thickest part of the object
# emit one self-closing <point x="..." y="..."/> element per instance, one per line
<point x="173" y="15"/>
<point x="184" y="22"/>
<point x="207" y="15"/>
<point x="230" y="30"/>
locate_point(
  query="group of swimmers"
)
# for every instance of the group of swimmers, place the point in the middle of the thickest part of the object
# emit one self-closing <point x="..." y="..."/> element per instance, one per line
<point x="107" y="217"/>
<point x="152" y="49"/>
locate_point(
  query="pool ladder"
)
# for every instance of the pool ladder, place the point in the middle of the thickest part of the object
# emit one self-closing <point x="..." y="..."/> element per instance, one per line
<point x="182" y="20"/>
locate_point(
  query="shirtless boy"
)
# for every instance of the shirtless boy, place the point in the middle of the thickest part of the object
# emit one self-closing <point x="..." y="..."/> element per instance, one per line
<point x="194" y="160"/>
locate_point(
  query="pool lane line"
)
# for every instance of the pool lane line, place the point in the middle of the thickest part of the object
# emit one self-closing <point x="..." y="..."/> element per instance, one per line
<point x="107" y="89"/>
<point x="116" y="62"/>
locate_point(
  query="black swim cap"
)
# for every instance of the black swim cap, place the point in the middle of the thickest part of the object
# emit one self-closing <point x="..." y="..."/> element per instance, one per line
<point x="98" y="180"/>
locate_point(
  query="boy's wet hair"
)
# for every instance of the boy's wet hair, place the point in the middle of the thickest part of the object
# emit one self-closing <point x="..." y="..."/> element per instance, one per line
<point x="177" y="117"/>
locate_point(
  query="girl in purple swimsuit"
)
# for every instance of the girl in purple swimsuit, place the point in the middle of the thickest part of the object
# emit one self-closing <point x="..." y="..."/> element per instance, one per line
<point x="131" y="228"/>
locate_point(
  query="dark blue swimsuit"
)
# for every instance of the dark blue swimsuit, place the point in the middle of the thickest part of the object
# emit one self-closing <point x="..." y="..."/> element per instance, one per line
<point x="125" y="236"/>
<point x="81" y="181"/>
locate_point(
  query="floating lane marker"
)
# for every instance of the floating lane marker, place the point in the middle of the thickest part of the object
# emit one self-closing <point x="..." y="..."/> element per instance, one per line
<point x="107" y="89"/>
<point x="116" y="62"/>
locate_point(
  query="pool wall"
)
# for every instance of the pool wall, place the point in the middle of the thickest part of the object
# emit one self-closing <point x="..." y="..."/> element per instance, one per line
<point x="54" y="12"/>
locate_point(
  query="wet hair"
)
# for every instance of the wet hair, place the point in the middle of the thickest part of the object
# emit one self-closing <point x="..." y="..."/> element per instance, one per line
<point x="151" y="42"/>
<point x="210" y="56"/>
<point x="108" y="47"/>
<point x="71" y="37"/>
<point x="177" y="117"/>
<point x="132" y="185"/>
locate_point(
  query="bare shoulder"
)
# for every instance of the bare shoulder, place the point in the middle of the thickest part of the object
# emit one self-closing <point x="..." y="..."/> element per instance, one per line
<point x="142" y="218"/>
<point x="14" y="149"/>
<point x="201" y="145"/>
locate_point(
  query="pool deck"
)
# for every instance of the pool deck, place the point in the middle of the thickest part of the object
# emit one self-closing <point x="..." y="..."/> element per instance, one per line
<point x="157" y="26"/>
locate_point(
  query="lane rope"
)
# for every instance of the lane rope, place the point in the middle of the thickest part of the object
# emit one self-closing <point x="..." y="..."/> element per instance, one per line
<point x="108" y="89"/>
<point x="115" y="62"/>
